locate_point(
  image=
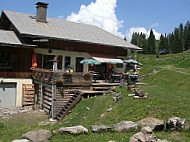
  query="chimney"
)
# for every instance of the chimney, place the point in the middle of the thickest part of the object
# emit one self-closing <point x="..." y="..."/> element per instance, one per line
<point x="41" y="11"/>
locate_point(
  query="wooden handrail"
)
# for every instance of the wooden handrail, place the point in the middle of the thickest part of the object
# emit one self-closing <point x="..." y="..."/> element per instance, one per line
<point x="70" y="107"/>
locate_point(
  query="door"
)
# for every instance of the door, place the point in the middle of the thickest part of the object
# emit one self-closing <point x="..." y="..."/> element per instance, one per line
<point x="47" y="62"/>
<point x="7" y="94"/>
<point x="79" y="66"/>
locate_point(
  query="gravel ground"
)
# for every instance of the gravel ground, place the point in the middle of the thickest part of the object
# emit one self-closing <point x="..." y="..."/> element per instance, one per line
<point x="7" y="112"/>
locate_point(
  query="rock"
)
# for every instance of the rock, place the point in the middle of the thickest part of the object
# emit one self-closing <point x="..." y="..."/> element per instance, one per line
<point x="118" y="94"/>
<point x="102" y="115"/>
<point x="109" y="109"/>
<point x="139" y="93"/>
<point x="52" y="120"/>
<point x="37" y="135"/>
<point x="161" y="140"/>
<point x="139" y="137"/>
<point x="111" y="141"/>
<point x="154" y="123"/>
<point x="41" y="110"/>
<point x="22" y="140"/>
<point x="175" y="123"/>
<point x="47" y="122"/>
<point x="100" y="128"/>
<point x="146" y="135"/>
<point x="146" y="130"/>
<point x="116" y="99"/>
<point x="149" y="136"/>
<point x="87" y="108"/>
<point x="72" y="130"/>
<point x="125" y="126"/>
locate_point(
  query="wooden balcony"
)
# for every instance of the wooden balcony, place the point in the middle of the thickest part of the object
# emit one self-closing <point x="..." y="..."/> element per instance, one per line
<point x="62" y="78"/>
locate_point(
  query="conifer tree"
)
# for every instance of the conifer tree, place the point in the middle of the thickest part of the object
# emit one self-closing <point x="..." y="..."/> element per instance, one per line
<point x="171" y="42"/>
<point x="134" y="39"/>
<point x="187" y="36"/>
<point x="178" y="42"/>
<point x="181" y="32"/>
<point x="161" y="45"/>
<point x="151" y="43"/>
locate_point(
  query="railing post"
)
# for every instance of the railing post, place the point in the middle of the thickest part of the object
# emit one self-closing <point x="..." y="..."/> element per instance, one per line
<point x="42" y="96"/>
<point x="36" y="95"/>
<point x="54" y="88"/>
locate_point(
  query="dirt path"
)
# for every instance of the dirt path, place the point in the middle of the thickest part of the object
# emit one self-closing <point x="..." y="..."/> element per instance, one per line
<point x="175" y="69"/>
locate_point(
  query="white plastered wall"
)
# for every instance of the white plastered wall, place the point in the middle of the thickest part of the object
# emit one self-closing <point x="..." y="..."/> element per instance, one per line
<point x="19" y="83"/>
<point x="64" y="53"/>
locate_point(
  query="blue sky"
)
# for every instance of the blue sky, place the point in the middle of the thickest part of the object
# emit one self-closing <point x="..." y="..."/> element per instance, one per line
<point x="120" y="17"/>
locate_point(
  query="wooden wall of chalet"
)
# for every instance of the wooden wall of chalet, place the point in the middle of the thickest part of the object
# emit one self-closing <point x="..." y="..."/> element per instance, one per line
<point x="20" y="61"/>
<point x="83" y="47"/>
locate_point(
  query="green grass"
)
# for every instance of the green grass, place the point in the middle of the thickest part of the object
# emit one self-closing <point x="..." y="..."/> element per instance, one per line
<point x="169" y="96"/>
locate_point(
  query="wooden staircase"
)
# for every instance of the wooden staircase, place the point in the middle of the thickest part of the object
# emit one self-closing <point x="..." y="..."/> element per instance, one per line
<point x="65" y="104"/>
<point x="101" y="88"/>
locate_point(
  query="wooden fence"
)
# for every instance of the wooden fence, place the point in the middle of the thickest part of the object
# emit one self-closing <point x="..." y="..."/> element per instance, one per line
<point x="28" y="95"/>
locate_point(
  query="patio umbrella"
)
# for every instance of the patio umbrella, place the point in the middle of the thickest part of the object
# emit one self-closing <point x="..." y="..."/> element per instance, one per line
<point x="132" y="61"/>
<point x="90" y="61"/>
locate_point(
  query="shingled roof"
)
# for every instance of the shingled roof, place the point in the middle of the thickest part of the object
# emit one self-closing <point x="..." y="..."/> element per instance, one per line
<point x="10" y="38"/>
<point x="26" y="24"/>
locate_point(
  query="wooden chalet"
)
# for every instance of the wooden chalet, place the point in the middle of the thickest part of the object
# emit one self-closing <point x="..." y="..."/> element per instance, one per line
<point x="34" y="40"/>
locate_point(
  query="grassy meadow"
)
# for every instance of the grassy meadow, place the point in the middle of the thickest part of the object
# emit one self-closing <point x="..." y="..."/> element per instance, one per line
<point x="168" y="96"/>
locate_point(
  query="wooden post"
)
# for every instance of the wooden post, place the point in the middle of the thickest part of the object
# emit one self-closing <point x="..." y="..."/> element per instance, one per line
<point x="53" y="100"/>
<point x="42" y="96"/>
<point x="54" y="88"/>
<point x="36" y="94"/>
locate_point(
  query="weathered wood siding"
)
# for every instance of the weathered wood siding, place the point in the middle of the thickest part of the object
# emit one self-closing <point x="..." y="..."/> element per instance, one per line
<point x="20" y="61"/>
<point x="83" y="47"/>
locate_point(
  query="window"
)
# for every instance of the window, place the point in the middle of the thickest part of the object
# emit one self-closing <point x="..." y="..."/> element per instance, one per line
<point x="4" y="59"/>
<point x="120" y="65"/>
<point x="79" y="66"/>
<point x="67" y="61"/>
<point x="47" y="61"/>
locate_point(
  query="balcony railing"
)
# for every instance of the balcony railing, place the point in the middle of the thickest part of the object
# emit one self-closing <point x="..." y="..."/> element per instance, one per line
<point x="62" y="78"/>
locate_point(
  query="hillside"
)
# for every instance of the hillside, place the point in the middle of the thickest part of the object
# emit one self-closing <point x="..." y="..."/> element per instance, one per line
<point x="169" y="96"/>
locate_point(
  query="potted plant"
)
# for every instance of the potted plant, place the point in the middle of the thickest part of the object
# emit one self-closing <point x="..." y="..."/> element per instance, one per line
<point x="87" y="76"/>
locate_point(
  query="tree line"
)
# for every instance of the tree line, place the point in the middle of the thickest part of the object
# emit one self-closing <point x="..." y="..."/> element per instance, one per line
<point x="174" y="42"/>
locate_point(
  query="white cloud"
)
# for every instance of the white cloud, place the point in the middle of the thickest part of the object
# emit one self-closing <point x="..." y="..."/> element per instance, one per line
<point x="139" y="30"/>
<point x="154" y="25"/>
<point x="157" y="35"/>
<point x="60" y="17"/>
<point x="100" y="13"/>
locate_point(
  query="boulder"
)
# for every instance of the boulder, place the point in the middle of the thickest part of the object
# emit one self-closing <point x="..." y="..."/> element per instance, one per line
<point x="146" y="135"/>
<point x="72" y="130"/>
<point x="125" y="126"/>
<point x="109" y="109"/>
<point x="161" y="140"/>
<point x="146" y="130"/>
<point x="37" y="135"/>
<point x="21" y="140"/>
<point x="139" y="137"/>
<point x="100" y="128"/>
<point x="175" y="123"/>
<point x="154" y="123"/>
